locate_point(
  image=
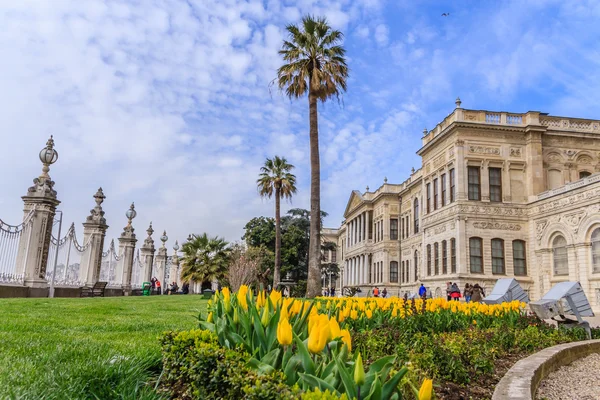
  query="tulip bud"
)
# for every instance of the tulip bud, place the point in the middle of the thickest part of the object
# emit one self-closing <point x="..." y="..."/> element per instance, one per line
<point x="359" y="371"/>
<point x="210" y="317"/>
<point x="426" y="390"/>
<point x="284" y="332"/>
<point x="265" y="317"/>
<point x="236" y="317"/>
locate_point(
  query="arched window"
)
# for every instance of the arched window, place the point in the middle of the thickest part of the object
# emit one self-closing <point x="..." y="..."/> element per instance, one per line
<point x="416" y="261"/>
<point x="428" y="260"/>
<point x="394" y="272"/>
<point x="498" y="256"/>
<point x="559" y="251"/>
<point x="519" y="258"/>
<point x="476" y="255"/>
<point x="416" y="228"/>
<point x="444" y="257"/>
<point x="596" y="250"/>
<point x="584" y="174"/>
<point x="436" y="252"/>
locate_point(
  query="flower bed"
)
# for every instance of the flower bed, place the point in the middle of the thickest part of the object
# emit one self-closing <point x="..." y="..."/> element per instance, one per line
<point x="269" y="347"/>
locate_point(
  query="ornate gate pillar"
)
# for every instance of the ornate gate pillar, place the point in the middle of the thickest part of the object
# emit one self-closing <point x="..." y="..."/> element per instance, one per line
<point x="127" y="243"/>
<point x="94" y="232"/>
<point x="40" y="199"/>
<point x="174" y="271"/>
<point x="161" y="260"/>
<point x="147" y="255"/>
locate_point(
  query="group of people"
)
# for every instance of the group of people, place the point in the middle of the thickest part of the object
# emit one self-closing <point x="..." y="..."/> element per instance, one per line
<point x="470" y="293"/>
<point x="377" y="293"/>
<point x="329" y="292"/>
<point x="172" y="289"/>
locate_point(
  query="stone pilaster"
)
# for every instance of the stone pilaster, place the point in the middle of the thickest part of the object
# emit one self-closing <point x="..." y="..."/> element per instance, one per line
<point x="147" y="255"/>
<point x="127" y="243"/>
<point x="94" y="232"/>
<point x="34" y="244"/>
<point x="161" y="260"/>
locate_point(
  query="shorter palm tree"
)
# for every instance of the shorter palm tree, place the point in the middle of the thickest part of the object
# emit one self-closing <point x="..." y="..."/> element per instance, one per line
<point x="275" y="178"/>
<point x="205" y="259"/>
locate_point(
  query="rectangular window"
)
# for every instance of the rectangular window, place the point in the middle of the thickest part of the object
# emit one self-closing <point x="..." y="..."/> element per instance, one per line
<point x="333" y="256"/>
<point x="407" y="270"/>
<point x="416" y="217"/>
<point x="495" y="184"/>
<point x="436" y="251"/>
<point x="428" y="260"/>
<point x="476" y="255"/>
<point x="393" y="229"/>
<point x="435" y="194"/>
<point x="402" y="227"/>
<point x="453" y="255"/>
<point x="443" y="178"/>
<point x="402" y="275"/>
<point x="428" y="198"/>
<point x="444" y="257"/>
<point x="371" y="225"/>
<point x="498" y="256"/>
<point x="452" y="186"/>
<point x="474" y="183"/>
<point x="381" y="226"/>
<point x="394" y="272"/>
<point x="519" y="259"/>
<point x="408" y="225"/>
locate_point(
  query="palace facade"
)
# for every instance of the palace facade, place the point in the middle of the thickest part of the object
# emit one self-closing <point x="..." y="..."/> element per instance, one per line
<point x="498" y="195"/>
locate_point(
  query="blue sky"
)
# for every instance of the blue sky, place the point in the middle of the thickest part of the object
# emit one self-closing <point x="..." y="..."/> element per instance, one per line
<point x="167" y="103"/>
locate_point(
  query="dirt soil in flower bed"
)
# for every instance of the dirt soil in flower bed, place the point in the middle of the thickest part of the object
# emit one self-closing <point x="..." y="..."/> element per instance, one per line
<point x="483" y="387"/>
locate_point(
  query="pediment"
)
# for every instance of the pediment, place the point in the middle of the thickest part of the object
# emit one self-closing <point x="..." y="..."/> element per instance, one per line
<point x="355" y="200"/>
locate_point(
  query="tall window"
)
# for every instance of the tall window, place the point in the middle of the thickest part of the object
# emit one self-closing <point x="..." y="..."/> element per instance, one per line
<point x="428" y="260"/>
<point x="561" y="261"/>
<point x="474" y="183"/>
<point x="435" y="194"/>
<point x="444" y="257"/>
<point x="498" y="256"/>
<point x="333" y="256"/>
<point x="584" y="174"/>
<point x="436" y="251"/>
<point x="443" y="178"/>
<point x="402" y="227"/>
<point x="416" y="266"/>
<point x="596" y="250"/>
<point x="407" y="270"/>
<point x="393" y="229"/>
<point x="416" y="228"/>
<point x="381" y="227"/>
<point x="519" y="260"/>
<point x="394" y="272"/>
<point x="402" y="273"/>
<point x="495" y="184"/>
<point x="371" y="225"/>
<point x="452" y="186"/>
<point x="428" y="198"/>
<point x="476" y="255"/>
<point x="408" y="225"/>
<point x="453" y="255"/>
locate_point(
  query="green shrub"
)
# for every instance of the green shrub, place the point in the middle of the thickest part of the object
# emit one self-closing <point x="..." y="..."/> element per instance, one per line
<point x="195" y="366"/>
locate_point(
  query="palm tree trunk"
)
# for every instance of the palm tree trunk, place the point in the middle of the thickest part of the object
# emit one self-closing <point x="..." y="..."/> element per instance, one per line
<point x="277" y="273"/>
<point x="313" y="284"/>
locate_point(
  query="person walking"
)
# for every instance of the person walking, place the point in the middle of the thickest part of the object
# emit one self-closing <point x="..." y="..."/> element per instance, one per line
<point x="376" y="292"/>
<point x="448" y="291"/>
<point x="477" y="295"/>
<point x="455" y="292"/>
<point x="468" y="292"/>
<point x="158" y="286"/>
<point x="384" y="293"/>
<point x="422" y="291"/>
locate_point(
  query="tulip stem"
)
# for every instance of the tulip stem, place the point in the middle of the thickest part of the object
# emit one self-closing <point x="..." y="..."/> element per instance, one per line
<point x="359" y="393"/>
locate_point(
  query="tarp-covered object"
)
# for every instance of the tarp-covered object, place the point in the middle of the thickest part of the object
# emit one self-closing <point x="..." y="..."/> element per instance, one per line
<point x="506" y="290"/>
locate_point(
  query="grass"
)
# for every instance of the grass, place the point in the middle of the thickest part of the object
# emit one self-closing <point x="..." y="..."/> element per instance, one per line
<point x="98" y="348"/>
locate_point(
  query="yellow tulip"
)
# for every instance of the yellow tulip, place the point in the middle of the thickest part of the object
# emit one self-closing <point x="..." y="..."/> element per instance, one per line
<point x="241" y="297"/>
<point x="314" y="345"/>
<point x="426" y="390"/>
<point x="265" y="317"/>
<point x="359" y="371"/>
<point x="210" y="317"/>
<point x="334" y="327"/>
<point x="346" y="338"/>
<point x="226" y="293"/>
<point x="260" y="299"/>
<point x="369" y="313"/>
<point x="284" y="332"/>
<point x="284" y="312"/>
<point x="275" y="297"/>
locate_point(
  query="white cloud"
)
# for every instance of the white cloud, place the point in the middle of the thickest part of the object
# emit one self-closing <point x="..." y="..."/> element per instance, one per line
<point x="382" y="34"/>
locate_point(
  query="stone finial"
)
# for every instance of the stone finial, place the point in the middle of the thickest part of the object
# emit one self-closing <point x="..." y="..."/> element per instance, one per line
<point x="412" y="170"/>
<point x="149" y="242"/>
<point x="164" y="239"/>
<point x="43" y="186"/>
<point x="176" y="246"/>
<point x="97" y="214"/>
<point x="425" y="132"/>
<point x="130" y="214"/>
<point x="385" y="179"/>
<point x="175" y="258"/>
<point x="367" y="188"/>
<point x="458" y="102"/>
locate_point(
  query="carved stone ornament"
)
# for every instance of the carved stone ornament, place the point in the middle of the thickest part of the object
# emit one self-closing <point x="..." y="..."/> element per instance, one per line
<point x="584" y="160"/>
<point x="515" y="152"/>
<point x="497" y="225"/>
<point x="97" y="214"/>
<point x="484" y="150"/>
<point x="573" y="220"/>
<point x="149" y="242"/>
<point x="540" y="227"/>
<point x="570" y="153"/>
<point x="554" y="158"/>
<point x="42" y="187"/>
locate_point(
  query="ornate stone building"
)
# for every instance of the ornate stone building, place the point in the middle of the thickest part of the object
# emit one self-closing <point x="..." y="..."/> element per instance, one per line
<point x="498" y="195"/>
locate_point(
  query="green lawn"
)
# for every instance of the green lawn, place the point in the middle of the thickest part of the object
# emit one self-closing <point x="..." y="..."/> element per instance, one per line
<point x="99" y="348"/>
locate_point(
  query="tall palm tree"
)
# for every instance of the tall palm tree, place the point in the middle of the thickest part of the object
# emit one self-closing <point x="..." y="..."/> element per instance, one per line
<point x="315" y="64"/>
<point x="275" y="178"/>
<point x="205" y="258"/>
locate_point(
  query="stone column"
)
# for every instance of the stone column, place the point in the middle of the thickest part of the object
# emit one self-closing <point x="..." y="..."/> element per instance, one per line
<point x="32" y="257"/>
<point x="367" y="224"/>
<point x="127" y="242"/>
<point x="94" y="232"/>
<point x="460" y="171"/>
<point x="161" y="260"/>
<point x="147" y="255"/>
<point x="174" y="271"/>
<point x="484" y="179"/>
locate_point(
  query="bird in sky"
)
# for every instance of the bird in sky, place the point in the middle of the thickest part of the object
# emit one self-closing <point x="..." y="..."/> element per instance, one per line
<point x="445" y="14"/>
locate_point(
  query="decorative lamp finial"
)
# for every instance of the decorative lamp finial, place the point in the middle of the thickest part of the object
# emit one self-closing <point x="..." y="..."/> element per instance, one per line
<point x="367" y="188"/>
<point x="150" y="231"/>
<point x="385" y="179"/>
<point x="164" y="238"/>
<point x="425" y="132"/>
<point x="48" y="156"/>
<point x="131" y="214"/>
<point x="176" y="246"/>
<point x="458" y="102"/>
<point x="412" y="170"/>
